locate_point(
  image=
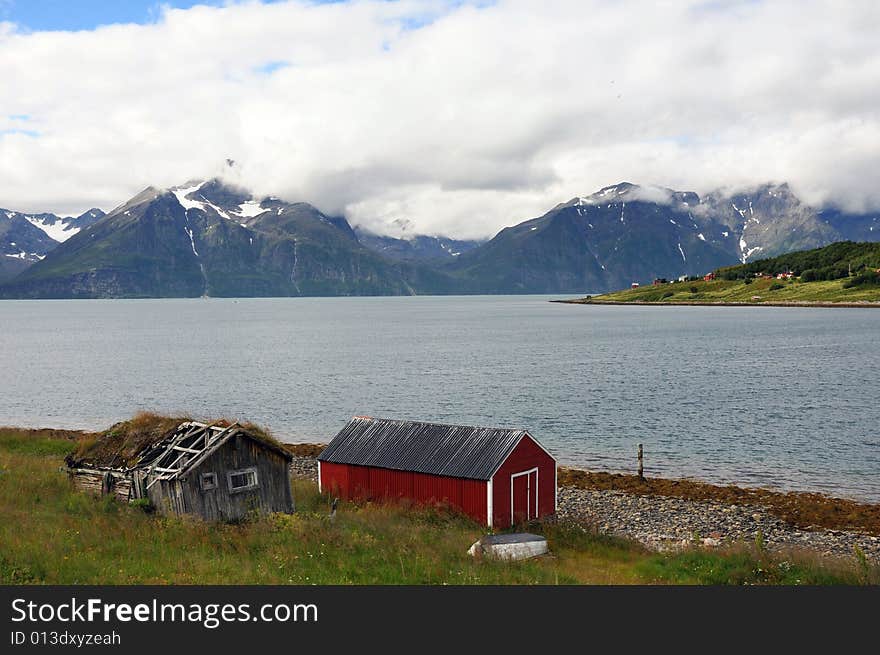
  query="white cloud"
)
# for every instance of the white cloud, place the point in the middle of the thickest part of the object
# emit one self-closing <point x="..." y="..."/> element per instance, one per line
<point x="482" y="117"/>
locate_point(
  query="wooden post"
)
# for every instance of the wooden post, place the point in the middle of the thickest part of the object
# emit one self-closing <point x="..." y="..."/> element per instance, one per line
<point x="641" y="468"/>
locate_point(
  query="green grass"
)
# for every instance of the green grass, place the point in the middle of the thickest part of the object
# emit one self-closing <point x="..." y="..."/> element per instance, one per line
<point x="36" y="442"/>
<point x="50" y="534"/>
<point x="745" y="567"/>
<point x="736" y="291"/>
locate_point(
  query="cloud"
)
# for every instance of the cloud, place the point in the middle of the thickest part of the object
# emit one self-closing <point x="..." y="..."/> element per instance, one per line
<point x="656" y="194"/>
<point x="460" y="117"/>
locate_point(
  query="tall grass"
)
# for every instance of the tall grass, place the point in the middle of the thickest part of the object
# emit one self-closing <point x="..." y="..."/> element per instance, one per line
<point x="750" y="566"/>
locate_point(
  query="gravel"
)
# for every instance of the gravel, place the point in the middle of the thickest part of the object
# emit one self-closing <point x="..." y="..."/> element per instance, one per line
<point x="661" y="523"/>
<point x="304" y="468"/>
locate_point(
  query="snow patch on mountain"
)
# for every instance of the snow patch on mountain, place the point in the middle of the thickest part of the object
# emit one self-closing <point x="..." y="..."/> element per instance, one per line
<point x="250" y="208"/>
<point x="182" y="192"/>
<point x="25" y="256"/>
<point x="745" y="251"/>
<point x="57" y="231"/>
<point x="192" y="241"/>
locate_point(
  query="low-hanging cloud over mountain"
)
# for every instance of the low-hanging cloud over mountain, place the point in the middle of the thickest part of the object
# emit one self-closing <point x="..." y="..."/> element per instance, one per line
<point x="461" y="117"/>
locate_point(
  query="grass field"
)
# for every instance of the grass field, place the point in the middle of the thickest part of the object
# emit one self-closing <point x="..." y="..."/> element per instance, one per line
<point x="50" y="534"/>
<point x="736" y="291"/>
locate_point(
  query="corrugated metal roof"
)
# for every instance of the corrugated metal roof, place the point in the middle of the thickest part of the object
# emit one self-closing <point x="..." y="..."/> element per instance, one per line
<point x="459" y="451"/>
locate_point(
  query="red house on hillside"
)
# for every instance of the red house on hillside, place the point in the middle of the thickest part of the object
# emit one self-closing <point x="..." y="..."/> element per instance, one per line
<point x="499" y="477"/>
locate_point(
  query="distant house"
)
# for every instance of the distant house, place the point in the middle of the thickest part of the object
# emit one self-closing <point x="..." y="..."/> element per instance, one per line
<point x="708" y="277"/>
<point x="785" y="276"/>
<point x="634" y="285"/>
<point x="217" y="473"/>
<point x="659" y="280"/>
<point x="497" y="476"/>
<point x="682" y="278"/>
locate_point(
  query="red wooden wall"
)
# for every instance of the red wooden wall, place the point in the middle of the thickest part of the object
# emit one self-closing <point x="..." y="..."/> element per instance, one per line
<point x="350" y="481"/>
<point x="525" y="456"/>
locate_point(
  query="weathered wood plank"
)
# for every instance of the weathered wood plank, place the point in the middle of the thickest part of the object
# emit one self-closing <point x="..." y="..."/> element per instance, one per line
<point x="194" y="430"/>
<point x="186" y="450"/>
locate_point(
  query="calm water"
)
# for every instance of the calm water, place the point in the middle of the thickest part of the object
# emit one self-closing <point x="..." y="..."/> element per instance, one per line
<point x="768" y="396"/>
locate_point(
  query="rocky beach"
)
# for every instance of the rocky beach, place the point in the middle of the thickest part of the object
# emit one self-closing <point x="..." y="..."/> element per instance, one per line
<point x="663" y="523"/>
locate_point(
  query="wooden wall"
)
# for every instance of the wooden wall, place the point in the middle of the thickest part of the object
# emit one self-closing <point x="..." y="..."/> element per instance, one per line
<point x="351" y="481"/>
<point x="273" y="493"/>
<point x="97" y="482"/>
<point x="525" y="456"/>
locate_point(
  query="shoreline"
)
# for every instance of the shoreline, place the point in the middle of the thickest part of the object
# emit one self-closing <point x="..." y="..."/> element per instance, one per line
<point x="804" y="509"/>
<point x="690" y="489"/>
<point x="663" y="514"/>
<point x="681" y="303"/>
<point x="667" y="514"/>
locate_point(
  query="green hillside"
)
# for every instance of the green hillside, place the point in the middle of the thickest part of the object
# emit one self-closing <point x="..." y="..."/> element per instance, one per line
<point x="841" y="273"/>
<point x="836" y="261"/>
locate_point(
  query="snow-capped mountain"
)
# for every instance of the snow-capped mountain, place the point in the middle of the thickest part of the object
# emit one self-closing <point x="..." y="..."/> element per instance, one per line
<point x="606" y="240"/>
<point x="770" y="220"/>
<point x="627" y="233"/>
<point x="28" y="238"/>
<point x="209" y="238"/>
<point x="57" y="228"/>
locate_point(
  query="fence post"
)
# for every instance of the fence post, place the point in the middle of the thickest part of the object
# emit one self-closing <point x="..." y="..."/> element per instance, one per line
<point x="641" y="468"/>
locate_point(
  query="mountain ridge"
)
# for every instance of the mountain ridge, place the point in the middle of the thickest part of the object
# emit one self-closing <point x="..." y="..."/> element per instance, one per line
<point x="213" y="238"/>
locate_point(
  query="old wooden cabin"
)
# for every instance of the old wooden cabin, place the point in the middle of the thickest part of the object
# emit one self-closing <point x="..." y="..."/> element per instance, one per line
<point x="217" y="473"/>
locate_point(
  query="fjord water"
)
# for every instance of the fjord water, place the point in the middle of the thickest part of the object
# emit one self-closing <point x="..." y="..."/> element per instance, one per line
<point x="781" y="397"/>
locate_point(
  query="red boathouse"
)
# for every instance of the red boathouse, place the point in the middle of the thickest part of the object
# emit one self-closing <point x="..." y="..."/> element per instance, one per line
<point x="499" y="477"/>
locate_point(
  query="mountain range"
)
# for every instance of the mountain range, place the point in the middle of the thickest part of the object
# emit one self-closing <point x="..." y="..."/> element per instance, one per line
<point x="28" y="238"/>
<point x="208" y="238"/>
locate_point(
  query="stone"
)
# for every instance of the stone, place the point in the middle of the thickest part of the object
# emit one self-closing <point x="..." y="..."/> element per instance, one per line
<point x="516" y="546"/>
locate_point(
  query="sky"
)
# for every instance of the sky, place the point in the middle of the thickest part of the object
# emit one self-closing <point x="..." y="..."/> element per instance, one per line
<point x="460" y="117"/>
<point x="74" y="15"/>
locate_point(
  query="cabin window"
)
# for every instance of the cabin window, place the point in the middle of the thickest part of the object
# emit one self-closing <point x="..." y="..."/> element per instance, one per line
<point x="209" y="481"/>
<point x="242" y="480"/>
